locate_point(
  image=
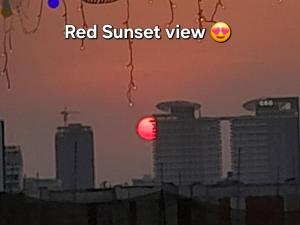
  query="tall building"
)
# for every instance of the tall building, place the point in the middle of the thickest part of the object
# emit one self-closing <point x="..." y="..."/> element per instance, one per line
<point x="265" y="146"/>
<point x="13" y="169"/>
<point x="75" y="157"/>
<point x="2" y="169"/>
<point x="188" y="147"/>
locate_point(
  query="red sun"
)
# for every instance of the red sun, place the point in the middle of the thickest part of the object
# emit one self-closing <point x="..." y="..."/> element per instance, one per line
<point x="146" y="128"/>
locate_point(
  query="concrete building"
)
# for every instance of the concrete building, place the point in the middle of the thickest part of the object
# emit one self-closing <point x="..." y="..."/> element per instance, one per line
<point x="188" y="147"/>
<point x="33" y="187"/>
<point x="146" y="180"/>
<point x="2" y="169"/>
<point x="13" y="169"/>
<point x="265" y="146"/>
<point x="75" y="157"/>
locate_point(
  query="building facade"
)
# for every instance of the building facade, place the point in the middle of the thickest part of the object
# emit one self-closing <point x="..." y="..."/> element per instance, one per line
<point x="75" y="157"/>
<point x="146" y="180"/>
<point x="188" y="147"/>
<point x="2" y="168"/>
<point x="13" y="169"/>
<point x="265" y="146"/>
<point x="33" y="187"/>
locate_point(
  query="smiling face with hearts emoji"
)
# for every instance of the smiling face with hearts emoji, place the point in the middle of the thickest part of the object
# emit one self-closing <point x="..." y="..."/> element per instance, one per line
<point x="220" y="32"/>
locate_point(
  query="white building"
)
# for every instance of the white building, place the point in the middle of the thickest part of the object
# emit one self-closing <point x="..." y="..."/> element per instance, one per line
<point x="13" y="169"/>
<point x="1" y="156"/>
<point x="265" y="146"/>
<point x="188" y="147"/>
<point x="75" y="157"/>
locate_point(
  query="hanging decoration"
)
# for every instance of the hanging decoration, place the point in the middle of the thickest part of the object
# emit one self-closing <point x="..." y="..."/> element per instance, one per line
<point x="10" y="9"/>
<point x="83" y="16"/>
<point x="130" y="66"/>
<point x="6" y="12"/>
<point x="17" y="8"/>
<point x="21" y="14"/>
<point x="201" y="18"/>
<point x="172" y="6"/>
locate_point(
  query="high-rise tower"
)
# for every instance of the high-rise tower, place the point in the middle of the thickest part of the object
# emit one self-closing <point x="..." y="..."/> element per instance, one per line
<point x="265" y="146"/>
<point x="188" y="147"/>
<point x="75" y="157"/>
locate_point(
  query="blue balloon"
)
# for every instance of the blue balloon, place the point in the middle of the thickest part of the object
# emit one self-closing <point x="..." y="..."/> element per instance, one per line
<point x="53" y="3"/>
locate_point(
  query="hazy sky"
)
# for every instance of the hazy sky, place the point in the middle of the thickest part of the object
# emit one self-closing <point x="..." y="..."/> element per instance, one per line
<point x="49" y="73"/>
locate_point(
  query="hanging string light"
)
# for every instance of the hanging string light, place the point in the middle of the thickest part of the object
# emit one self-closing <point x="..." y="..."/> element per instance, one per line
<point x="172" y="6"/>
<point x="201" y="18"/>
<point x="10" y="8"/>
<point x="84" y="23"/>
<point x="7" y="13"/>
<point x="130" y="66"/>
<point x="83" y="15"/>
<point x="22" y="17"/>
<point x="7" y="44"/>
<point x="18" y="9"/>
<point x="65" y="14"/>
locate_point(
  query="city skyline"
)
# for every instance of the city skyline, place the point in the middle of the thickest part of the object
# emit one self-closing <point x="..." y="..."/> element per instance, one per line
<point x="259" y="109"/>
<point x="94" y="81"/>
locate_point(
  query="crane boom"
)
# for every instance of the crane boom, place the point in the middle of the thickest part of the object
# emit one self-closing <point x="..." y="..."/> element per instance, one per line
<point x="65" y="113"/>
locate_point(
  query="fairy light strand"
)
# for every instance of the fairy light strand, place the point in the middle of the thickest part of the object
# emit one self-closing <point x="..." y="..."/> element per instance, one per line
<point x="10" y="45"/>
<point x="172" y="6"/>
<point x="7" y="41"/>
<point x="201" y="18"/>
<point x="65" y="14"/>
<point x="217" y="6"/>
<point x="6" y="44"/>
<point x="39" y="19"/>
<point x="130" y="66"/>
<point x="83" y="15"/>
<point x="22" y="11"/>
<point x="84" y="22"/>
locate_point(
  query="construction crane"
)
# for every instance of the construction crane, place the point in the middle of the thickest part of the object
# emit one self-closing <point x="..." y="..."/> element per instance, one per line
<point x="66" y="114"/>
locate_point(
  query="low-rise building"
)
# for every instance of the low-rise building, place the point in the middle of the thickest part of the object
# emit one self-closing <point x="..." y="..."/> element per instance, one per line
<point x="34" y="186"/>
<point x="13" y="169"/>
<point x="1" y="156"/>
<point x="146" y="180"/>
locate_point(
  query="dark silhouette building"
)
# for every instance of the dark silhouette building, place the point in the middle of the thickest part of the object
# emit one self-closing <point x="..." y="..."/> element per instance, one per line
<point x="188" y="147"/>
<point x="265" y="146"/>
<point x="2" y="163"/>
<point x="13" y="168"/>
<point x="75" y="157"/>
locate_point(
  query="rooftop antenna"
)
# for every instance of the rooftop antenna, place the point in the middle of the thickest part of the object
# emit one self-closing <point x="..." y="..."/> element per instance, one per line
<point x="66" y="114"/>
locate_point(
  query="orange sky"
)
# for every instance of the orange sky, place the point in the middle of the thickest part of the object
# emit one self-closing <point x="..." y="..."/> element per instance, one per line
<point x="49" y="73"/>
